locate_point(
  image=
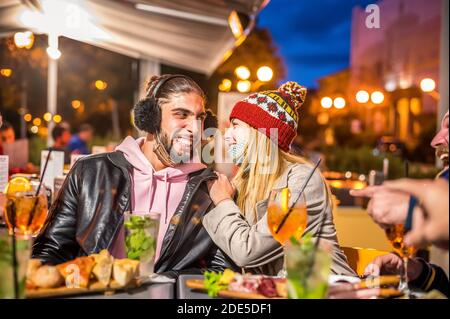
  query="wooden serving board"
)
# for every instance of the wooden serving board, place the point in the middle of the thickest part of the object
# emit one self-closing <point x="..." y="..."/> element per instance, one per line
<point x="199" y="285"/>
<point x="64" y="291"/>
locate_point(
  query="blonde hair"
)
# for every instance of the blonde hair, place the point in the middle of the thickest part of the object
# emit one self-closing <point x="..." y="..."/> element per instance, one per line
<point x="263" y="163"/>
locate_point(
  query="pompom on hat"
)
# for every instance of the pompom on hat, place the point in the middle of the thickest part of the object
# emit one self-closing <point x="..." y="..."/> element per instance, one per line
<point x="273" y="109"/>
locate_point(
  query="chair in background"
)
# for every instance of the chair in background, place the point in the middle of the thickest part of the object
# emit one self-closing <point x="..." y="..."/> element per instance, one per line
<point x="358" y="258"/>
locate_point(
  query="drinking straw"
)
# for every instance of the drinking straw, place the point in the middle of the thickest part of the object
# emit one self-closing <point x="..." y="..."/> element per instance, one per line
<point x="43" y="172"/>
<point x="298" y="197"/>
<point x="30" y="218"/>
<point x="412" y="204"/>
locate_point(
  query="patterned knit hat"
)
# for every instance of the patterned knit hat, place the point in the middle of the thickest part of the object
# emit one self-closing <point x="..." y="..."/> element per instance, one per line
<point x="273" y="109"/>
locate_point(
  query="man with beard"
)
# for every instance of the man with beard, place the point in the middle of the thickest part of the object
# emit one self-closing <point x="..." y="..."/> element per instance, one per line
<point x="388" y="206"/>
<point x="155" y="173"/>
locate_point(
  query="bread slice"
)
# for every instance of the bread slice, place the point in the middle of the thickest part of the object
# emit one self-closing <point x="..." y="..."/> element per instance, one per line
<point x="124" y="270"/>
<point x="77" y="272"/>
<point x="103" y="267"/>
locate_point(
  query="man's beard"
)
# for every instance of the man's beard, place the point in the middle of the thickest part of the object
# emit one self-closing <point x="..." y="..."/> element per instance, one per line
<point x="182" y="156"/>
<point x="442" y="153"/>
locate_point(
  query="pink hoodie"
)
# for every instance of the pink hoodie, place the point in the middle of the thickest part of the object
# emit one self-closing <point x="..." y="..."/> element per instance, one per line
<point x="153" y="191"/>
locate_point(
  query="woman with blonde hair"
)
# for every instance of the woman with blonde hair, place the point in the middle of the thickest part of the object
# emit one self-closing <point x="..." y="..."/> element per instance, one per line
<point x="263" y="125"/>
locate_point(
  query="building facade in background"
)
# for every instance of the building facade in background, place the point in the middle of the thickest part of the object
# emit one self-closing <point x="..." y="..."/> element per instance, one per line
<point x="391" y="60"/>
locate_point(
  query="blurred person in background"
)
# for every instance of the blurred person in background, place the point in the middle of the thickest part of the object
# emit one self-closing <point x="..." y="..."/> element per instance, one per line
<point x="79" y="142"/>
<point x="61" y="136"/>
<point x="8" y="136"/>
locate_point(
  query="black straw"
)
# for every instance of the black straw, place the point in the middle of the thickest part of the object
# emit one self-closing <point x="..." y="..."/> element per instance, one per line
<point x="285" y="217"/>
<point x="30" y="218"/>
<point x="43" y="172"/>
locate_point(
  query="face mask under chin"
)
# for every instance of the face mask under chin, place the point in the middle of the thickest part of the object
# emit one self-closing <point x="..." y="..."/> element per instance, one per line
<point x="237" y="152"/>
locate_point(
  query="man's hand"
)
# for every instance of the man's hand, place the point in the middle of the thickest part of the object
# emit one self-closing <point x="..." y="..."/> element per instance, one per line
<point x="433" y="196"/>
<point x="220" y="189"/>
<point x="386" y="207"/>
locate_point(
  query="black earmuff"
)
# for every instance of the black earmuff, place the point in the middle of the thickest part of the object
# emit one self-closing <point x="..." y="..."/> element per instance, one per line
<point x="147" y="113"/>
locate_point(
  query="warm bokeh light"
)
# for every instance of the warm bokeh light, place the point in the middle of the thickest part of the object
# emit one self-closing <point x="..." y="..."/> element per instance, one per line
<point x="100" y="85"/>
<point x="243" y="86"/>
<point x="24" y="39"/>
<point x="47" y="117"/>
<point x="37" y="121"/>
<point x="323" y="118"/>
<point x="76" y="104"/>
<point x="27" y="117"/>
<point x="339" y="102"/>
<point x="53" y="53"/>
<point x="326" y="102"/>
<point x="427" y="85"/>
<point x="264" y="74"/>
<point x="225" y="85"/>
<point x="390" y="86"/>
<point x="377" y="97"/>
<point x="242" y="72"/>
<point x="6" y="72"/>
<point x="57" y="118"/>
<point x="34" y="129"/>
<point x="362" y="96"/>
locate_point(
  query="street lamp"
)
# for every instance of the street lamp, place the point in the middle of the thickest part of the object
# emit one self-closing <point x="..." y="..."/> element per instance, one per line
<point x="264" y="74"/>
<point x="5" y="72"/>
<point x="37" y="121"/>
<point x="242" y="72"/>
<point x="100" y="85"/>
<point x="57" y="118"/>
<point x="47" y="116"/>
<point x="377" y="97"/>
<point x="52" y="49"/>
<point x="427" y="85"/>
<point x="24" y="39"/>
<point x="28" y="117"/>
<point x="362" y="96"/>
<point x="339" y="103"/>
<point x="243" y="86"/>
<point x="225" y="85"/>
<point x="326" y="102"/>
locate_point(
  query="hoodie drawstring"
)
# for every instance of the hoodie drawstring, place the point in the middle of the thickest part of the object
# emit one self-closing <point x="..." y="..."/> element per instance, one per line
<point x="165" y="199"/>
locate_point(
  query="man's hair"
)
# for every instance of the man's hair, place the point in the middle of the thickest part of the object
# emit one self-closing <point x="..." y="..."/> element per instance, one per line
<point x="147" y="112"/>
<point x="85" y="128"/>
<point x="210" y="120"/>
<point x="58" y="131"/>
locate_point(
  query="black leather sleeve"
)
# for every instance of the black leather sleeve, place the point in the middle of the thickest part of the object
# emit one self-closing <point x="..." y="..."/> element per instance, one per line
<point x="57" y="241"/>
<point x="219" y="261"/>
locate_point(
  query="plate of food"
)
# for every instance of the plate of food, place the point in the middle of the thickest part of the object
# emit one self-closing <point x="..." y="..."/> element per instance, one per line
<point x="229" y="284"/>
<point x="88" y="274"/>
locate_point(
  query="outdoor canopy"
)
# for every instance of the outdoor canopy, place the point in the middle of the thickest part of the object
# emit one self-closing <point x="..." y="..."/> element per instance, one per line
<point x="191" y="34"/>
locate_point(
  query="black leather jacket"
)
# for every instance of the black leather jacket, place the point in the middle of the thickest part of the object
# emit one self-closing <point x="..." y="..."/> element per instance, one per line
<point x="88" y="213"/>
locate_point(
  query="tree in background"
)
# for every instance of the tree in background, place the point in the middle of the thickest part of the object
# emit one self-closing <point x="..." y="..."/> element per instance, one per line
<point x="257" y="50"/>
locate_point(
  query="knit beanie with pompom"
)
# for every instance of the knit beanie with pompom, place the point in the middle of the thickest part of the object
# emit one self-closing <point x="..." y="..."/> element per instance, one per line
<point x="273" y="110"/>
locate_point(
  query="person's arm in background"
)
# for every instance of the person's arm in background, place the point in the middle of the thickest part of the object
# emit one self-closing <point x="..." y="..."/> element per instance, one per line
<point x="433" y="198"/>
<point x="421" y="274"/>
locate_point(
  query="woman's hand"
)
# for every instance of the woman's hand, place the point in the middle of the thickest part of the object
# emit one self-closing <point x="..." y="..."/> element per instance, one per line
<point x="220" y="189"/>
